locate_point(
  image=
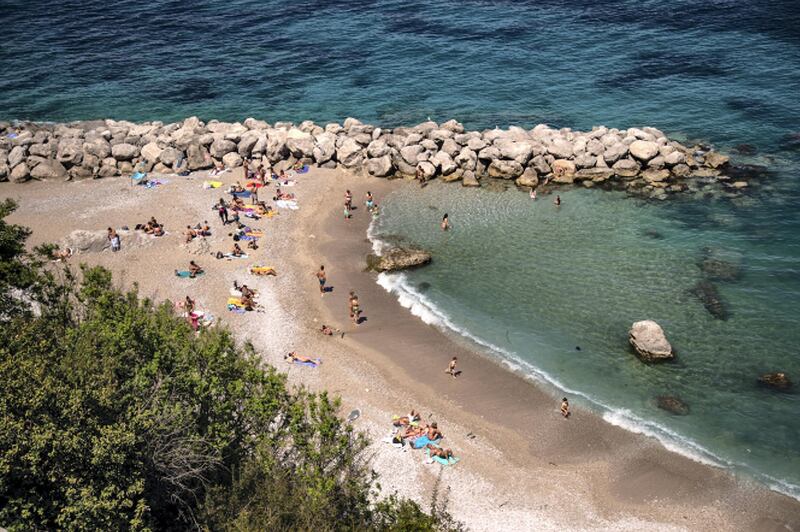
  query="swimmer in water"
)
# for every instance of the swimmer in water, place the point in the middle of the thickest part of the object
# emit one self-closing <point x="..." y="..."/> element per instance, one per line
<point x="445" y="222"/>
<point x="557" y="201"/>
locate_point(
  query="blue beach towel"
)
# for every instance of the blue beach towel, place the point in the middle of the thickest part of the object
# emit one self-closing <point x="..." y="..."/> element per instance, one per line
<point x="138" y="176"/>
<point x="444" y="461"/>
<point x="186" y="274"/>
<point x="317" y="362"/>
<point x="303" y="170"/>
<point x="422" y="441"/>
<point x="236" y="310"/>
<point x="244" y="194"/>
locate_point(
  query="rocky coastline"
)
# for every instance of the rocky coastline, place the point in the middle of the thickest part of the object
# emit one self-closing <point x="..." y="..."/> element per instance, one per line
<point x="643" y="161"/>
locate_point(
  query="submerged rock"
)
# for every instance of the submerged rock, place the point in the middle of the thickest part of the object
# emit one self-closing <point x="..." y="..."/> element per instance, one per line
<point x="672" y="405"/>
<point x="709" y="296"/>
<point x="777" y="380"/>
<point x="398" y="259"/>
<point x="717" y="268"/>
<point x="648" y="339"/>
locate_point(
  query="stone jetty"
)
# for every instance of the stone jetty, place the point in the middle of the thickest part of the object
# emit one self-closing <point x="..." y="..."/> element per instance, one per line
<point x="642" y="160"/>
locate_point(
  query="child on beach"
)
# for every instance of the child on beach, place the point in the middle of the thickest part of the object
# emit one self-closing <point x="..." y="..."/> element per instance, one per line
<point x="565" y="407"/>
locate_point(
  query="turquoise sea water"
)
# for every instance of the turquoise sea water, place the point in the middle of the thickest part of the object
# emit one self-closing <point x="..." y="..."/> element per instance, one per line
<point x="534" y="282"/>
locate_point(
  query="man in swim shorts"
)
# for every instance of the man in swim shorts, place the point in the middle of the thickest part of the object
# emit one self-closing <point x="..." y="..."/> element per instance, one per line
<point x="322" y="278"/>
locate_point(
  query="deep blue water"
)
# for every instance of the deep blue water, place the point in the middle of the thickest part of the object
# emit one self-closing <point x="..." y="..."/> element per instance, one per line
<point x="723" y="72"/>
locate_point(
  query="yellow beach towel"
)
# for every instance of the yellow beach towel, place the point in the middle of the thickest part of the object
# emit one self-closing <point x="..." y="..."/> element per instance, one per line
<point x="236" y="301"/>
<point x="261" y="270"/>
<point x="215" y="184"/>
<point x="257" y="234"/>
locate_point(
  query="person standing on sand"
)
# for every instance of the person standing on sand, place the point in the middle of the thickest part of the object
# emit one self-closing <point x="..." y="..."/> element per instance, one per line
<point x="113" y="238"/>
<point x="355" y="309"/>
<point x="347" y="214"/>
<point x="223" y="211"/>
<point x="369" y="201"/>
<point x="451" y="368"/>
<point x="348" y="199"/>
<point x="322" y="277"/>
<point x="565" y="407"/>
<point x="445" y="222"/>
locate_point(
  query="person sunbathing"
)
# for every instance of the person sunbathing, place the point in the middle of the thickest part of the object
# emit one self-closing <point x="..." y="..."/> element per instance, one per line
<point x="284" y="195"/>
<point x="237" y="203"/>
<point x="412" y="432"/>
<point x="294" y="357"/>
<point x="404" y="421"/>
<point x="441" y="452"/>
<point x="194" y="269"/>
<point x="236" y="188"/>
<point x="158" y="230"/>
<point x="433" y="432"/>
<point x="62" y="254"/>
<point x="205" y="229"/>
<point x="262" y="270"/>
<point x="190" y="234"/>
<point x="327" y="331"/>
<point x="218" y="169"/>
<point x="237" y="251"/>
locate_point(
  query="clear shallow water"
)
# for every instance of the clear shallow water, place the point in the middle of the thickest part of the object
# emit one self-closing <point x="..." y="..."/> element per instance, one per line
<point x="533" y="281"/>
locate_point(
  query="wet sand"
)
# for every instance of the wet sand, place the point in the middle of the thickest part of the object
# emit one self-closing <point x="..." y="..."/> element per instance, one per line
<point x="522" y="465"/>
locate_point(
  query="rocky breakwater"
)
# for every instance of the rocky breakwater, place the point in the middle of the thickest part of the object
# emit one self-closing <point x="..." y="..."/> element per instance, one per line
<point x="640" y="160"/>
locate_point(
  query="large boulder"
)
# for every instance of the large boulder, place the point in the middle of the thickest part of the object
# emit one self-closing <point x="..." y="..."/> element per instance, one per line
<point x="626" y="168"/>
<point x="349" y="154"/>
<point x="324" y="147"/>
<point x="648" y="340"/>
<point x="300" y="148"/>
<point x="20" y="173"/>
<point x="411" y="153"/>
<point x="516" y="151"/>
<point x="99" y="147"/>
<point x="16" y="156"/>
<point x="445" y="163"/>
<point x="500" y="168"/>
<point x="466" y="159"/>
<point x="398" y="259"/>
<point x="220" y="147"/>
<point x="377" y="148"/>
<point x="560" y="148"/>
<point x="124" y="151"/>
<point x="540" y="164"/>
<point x="151" y="152"/>
<point x="672" y="404"/>
<point x="469" y="179"/>
<point x="232" y="160"/>
<point x="49" y="169"/>
<point x="563" y="171"/>
<point x="615" y="152"/>
<point x="70" y="151"/>
<point x="380" y="166"/>
<point x="426" y="170"/>
<point x="198" y="158"/>
<point x="716" y="160"/>
<point x="529" y="178"/>
<point x="643" y="150"/>
<point x="169" y="156"/>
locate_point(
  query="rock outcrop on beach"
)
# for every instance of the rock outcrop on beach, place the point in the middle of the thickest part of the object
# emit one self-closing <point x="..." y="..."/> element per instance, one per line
<point x="648" y="340"/>
<point x="777" y="380"/>
<point x="641" y="160"/>
<point x="395" y="259"/>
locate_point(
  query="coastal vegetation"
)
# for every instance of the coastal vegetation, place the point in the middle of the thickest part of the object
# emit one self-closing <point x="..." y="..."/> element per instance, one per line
<point x="117" y="416"/>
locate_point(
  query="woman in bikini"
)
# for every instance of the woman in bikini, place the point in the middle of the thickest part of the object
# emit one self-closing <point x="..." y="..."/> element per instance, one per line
<point x="355" y="310"/>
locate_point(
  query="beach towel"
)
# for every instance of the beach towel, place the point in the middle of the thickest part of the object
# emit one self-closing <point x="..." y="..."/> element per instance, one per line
<point x="262" y="270"/>
<point x="303" y="170"/>
<point x="212" y="184"/>
<point x="248" y="237"/>
<point x="444" y="461"/>
<point x="155" y="183"/>
<point x="244" y="194"/>
<point x="422" y="441"/>
<point x="313" y="364"/>
<point x="253" y="184"/>
<point x="289" y="183"/>
<point x="235" y="301"/>
<point x="186" y="274"/>
<point x="287" y="204"/>
<point x="250" y="213"/>
<point x="138" y="176"/>
<point x="236" y="310"/>
<point x="256" y="234"/>
<point x="232" y="256"/>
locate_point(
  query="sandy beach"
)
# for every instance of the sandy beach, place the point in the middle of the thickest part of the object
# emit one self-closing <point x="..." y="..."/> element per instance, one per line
<point x="522" y="466"/>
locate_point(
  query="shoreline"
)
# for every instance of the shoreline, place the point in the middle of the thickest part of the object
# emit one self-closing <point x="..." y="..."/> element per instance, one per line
<point x="525" y="468"/>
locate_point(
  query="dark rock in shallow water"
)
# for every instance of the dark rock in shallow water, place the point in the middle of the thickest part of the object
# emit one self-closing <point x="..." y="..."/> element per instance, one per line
<point x="709" y="296"/>
<point x="777" y="380"/>
<point x="747" y="172"/>
<point x="718" y="268"/>
<point x="652" y="233"/>
<point x="672" y="405"/>
<point x="398" y="259"/>
<point x="745" y="149"/>
<point x="423" y="286"/>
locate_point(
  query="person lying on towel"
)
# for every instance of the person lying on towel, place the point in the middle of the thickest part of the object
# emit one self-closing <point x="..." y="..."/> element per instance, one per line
<point x="237" y="251"/>
<point x="194" y="269"/>
<point x="441" y="452"/>
<point x="294" y="357"/>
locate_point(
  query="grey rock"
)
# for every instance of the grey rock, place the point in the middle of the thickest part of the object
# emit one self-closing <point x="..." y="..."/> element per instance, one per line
<point x="519" y="152"/>
<point x="300" y="147"/>
<point x="349" y="154"/>
<point x="440" y="135"/>
<point x="615" y="152"/>
<point x="652" y="175"/>
<point x="4" y="171"/>
<point x="476" y="144"/>
<point x="98" y="147"/>
<point x="648" y="340"/>
<point x="681" y="170"/>
<point x="124" y="152"/>
<point x="220" y="147"/>
<point x="248" y="142"/>
<point x="17" y="155"/>
<point x="151" y="152"/>
<point x="643" y="150"/>
<point x="19" y="173"/>
<point x="563" y="171"/>
<point x="529" y="178"/>
<point x="197" y="157"/>
<point x="380" y="166"/>
<point x="397" y="259"/>
<point x="674" y="158"/>
<point x="107" y="171"/>
<point x="466" y="159"/>
<point x="454" y="126"/>
<point x="489" y="153"/>
<point x="445" y="163"/>
<point x="324" y="148"/>
<point x="672" y="404"/>
<point x="716" y="160"/>
<point x="426" y="170"/>
<point x="595" y="147"/>
<point x="469" y="179"/>
<point x="410" y="154"/>
<point x="429" y="145"/>
<point x="451" y="147"/>
<point x="540" y="164"/>
<point x="70" y="151"/>
<point x="169" y="156"/>
<point x="232" y="159"/>
<point x="42" y="150"/>
<point x="560" y="148"/>
<point x="49" y="169"/>
<point x="656" y="163"/>
<point x="377" y="148"/>
<point x="584" y="160"/>
<point x="252" y="123"/>
<point x="626" y="168"/>
<point x="503" y="169"/>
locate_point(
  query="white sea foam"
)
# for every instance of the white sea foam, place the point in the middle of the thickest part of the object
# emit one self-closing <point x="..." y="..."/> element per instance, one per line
<point x="421" y="306"/>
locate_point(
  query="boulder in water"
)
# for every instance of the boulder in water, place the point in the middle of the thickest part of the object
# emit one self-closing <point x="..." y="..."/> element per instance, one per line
<point x="777" y="380"/>
<point x="672" y="405"/>
<point x="397" y="259"/>
<point x="648" y="339"/>
<point x="709" y="296"/>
